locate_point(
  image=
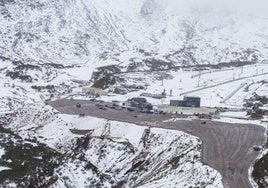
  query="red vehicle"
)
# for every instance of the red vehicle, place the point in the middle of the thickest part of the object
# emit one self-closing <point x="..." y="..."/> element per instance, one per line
<point x="205" y="116"/>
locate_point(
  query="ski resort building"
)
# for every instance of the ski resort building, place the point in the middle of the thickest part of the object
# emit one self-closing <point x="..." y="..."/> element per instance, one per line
<point x="186" y="102"/>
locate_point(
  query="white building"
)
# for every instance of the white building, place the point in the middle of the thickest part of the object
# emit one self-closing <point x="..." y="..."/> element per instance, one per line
<point x="186" y="110"/>
<point x="94" y="91"/>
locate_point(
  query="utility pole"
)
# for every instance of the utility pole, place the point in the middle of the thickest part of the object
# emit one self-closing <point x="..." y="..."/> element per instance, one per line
<point x="106" y="129"/>
<point x="193" y="164"/>
<point x="199" y="76"/>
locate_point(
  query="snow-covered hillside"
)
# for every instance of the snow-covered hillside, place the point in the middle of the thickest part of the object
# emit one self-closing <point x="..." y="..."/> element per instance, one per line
<point x="111" y="153"/>
<point x="116" y="31"/>
<point x="45" y="45"/>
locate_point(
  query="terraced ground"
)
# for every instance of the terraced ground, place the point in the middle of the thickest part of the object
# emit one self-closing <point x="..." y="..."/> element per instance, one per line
<point x="226" y="147"/>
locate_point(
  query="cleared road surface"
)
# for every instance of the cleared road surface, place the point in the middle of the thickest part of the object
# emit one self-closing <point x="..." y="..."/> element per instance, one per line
<point x="225" y="147"/>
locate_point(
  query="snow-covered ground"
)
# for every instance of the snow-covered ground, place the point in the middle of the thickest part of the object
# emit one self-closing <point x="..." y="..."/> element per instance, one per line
<point x="35" y="120"/>
<point x="212" y="85"/>
<point x="2" y="152"/>
<point x="3" y="168"/>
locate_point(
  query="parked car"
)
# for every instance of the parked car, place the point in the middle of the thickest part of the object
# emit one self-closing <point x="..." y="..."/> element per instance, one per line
<point x="78" y="105"/>
<point x="115" y="103"/>
<point x="155" y="112"/>
<point x="81" y="114"/>
<point x="257" y="148"/>
<point x="130" y="109"/>
<point x="118" y="108"/>
<point x="102" y="108"/>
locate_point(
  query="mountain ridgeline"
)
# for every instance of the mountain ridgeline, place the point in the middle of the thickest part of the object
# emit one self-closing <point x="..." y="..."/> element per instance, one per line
<point x="71" y="31"/>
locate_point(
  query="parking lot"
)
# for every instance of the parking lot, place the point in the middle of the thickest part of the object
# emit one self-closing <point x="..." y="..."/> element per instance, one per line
<point x="104" y="110"/>
<point x="226" y="147"/>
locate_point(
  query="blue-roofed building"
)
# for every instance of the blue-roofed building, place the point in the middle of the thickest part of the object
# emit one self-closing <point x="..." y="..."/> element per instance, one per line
<point x="187" y="102"/>
<point x="192" y="101"/>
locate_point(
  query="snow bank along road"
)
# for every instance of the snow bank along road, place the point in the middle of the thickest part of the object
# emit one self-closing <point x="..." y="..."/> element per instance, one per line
<point x="225" y="147"/>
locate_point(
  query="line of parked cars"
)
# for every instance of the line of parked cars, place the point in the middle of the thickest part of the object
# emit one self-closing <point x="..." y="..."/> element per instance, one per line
<point x="135" y="104"/>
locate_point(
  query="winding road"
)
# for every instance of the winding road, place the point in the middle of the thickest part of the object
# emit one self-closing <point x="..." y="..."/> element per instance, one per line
<point x="225" y="147"/>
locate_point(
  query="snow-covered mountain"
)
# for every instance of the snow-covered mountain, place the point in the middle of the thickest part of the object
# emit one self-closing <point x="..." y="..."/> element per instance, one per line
<point x="51" y="47"/>
<point x="116" y="31"/>
<point x="49" y="43"/>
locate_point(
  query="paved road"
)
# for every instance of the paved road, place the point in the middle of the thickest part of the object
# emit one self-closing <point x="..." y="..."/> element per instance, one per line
<point x="225" y="147"/>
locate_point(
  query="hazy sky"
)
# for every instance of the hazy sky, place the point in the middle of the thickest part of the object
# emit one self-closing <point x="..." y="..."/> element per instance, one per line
<point x="256" y="7"/>
<point x="252" y="6"/>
